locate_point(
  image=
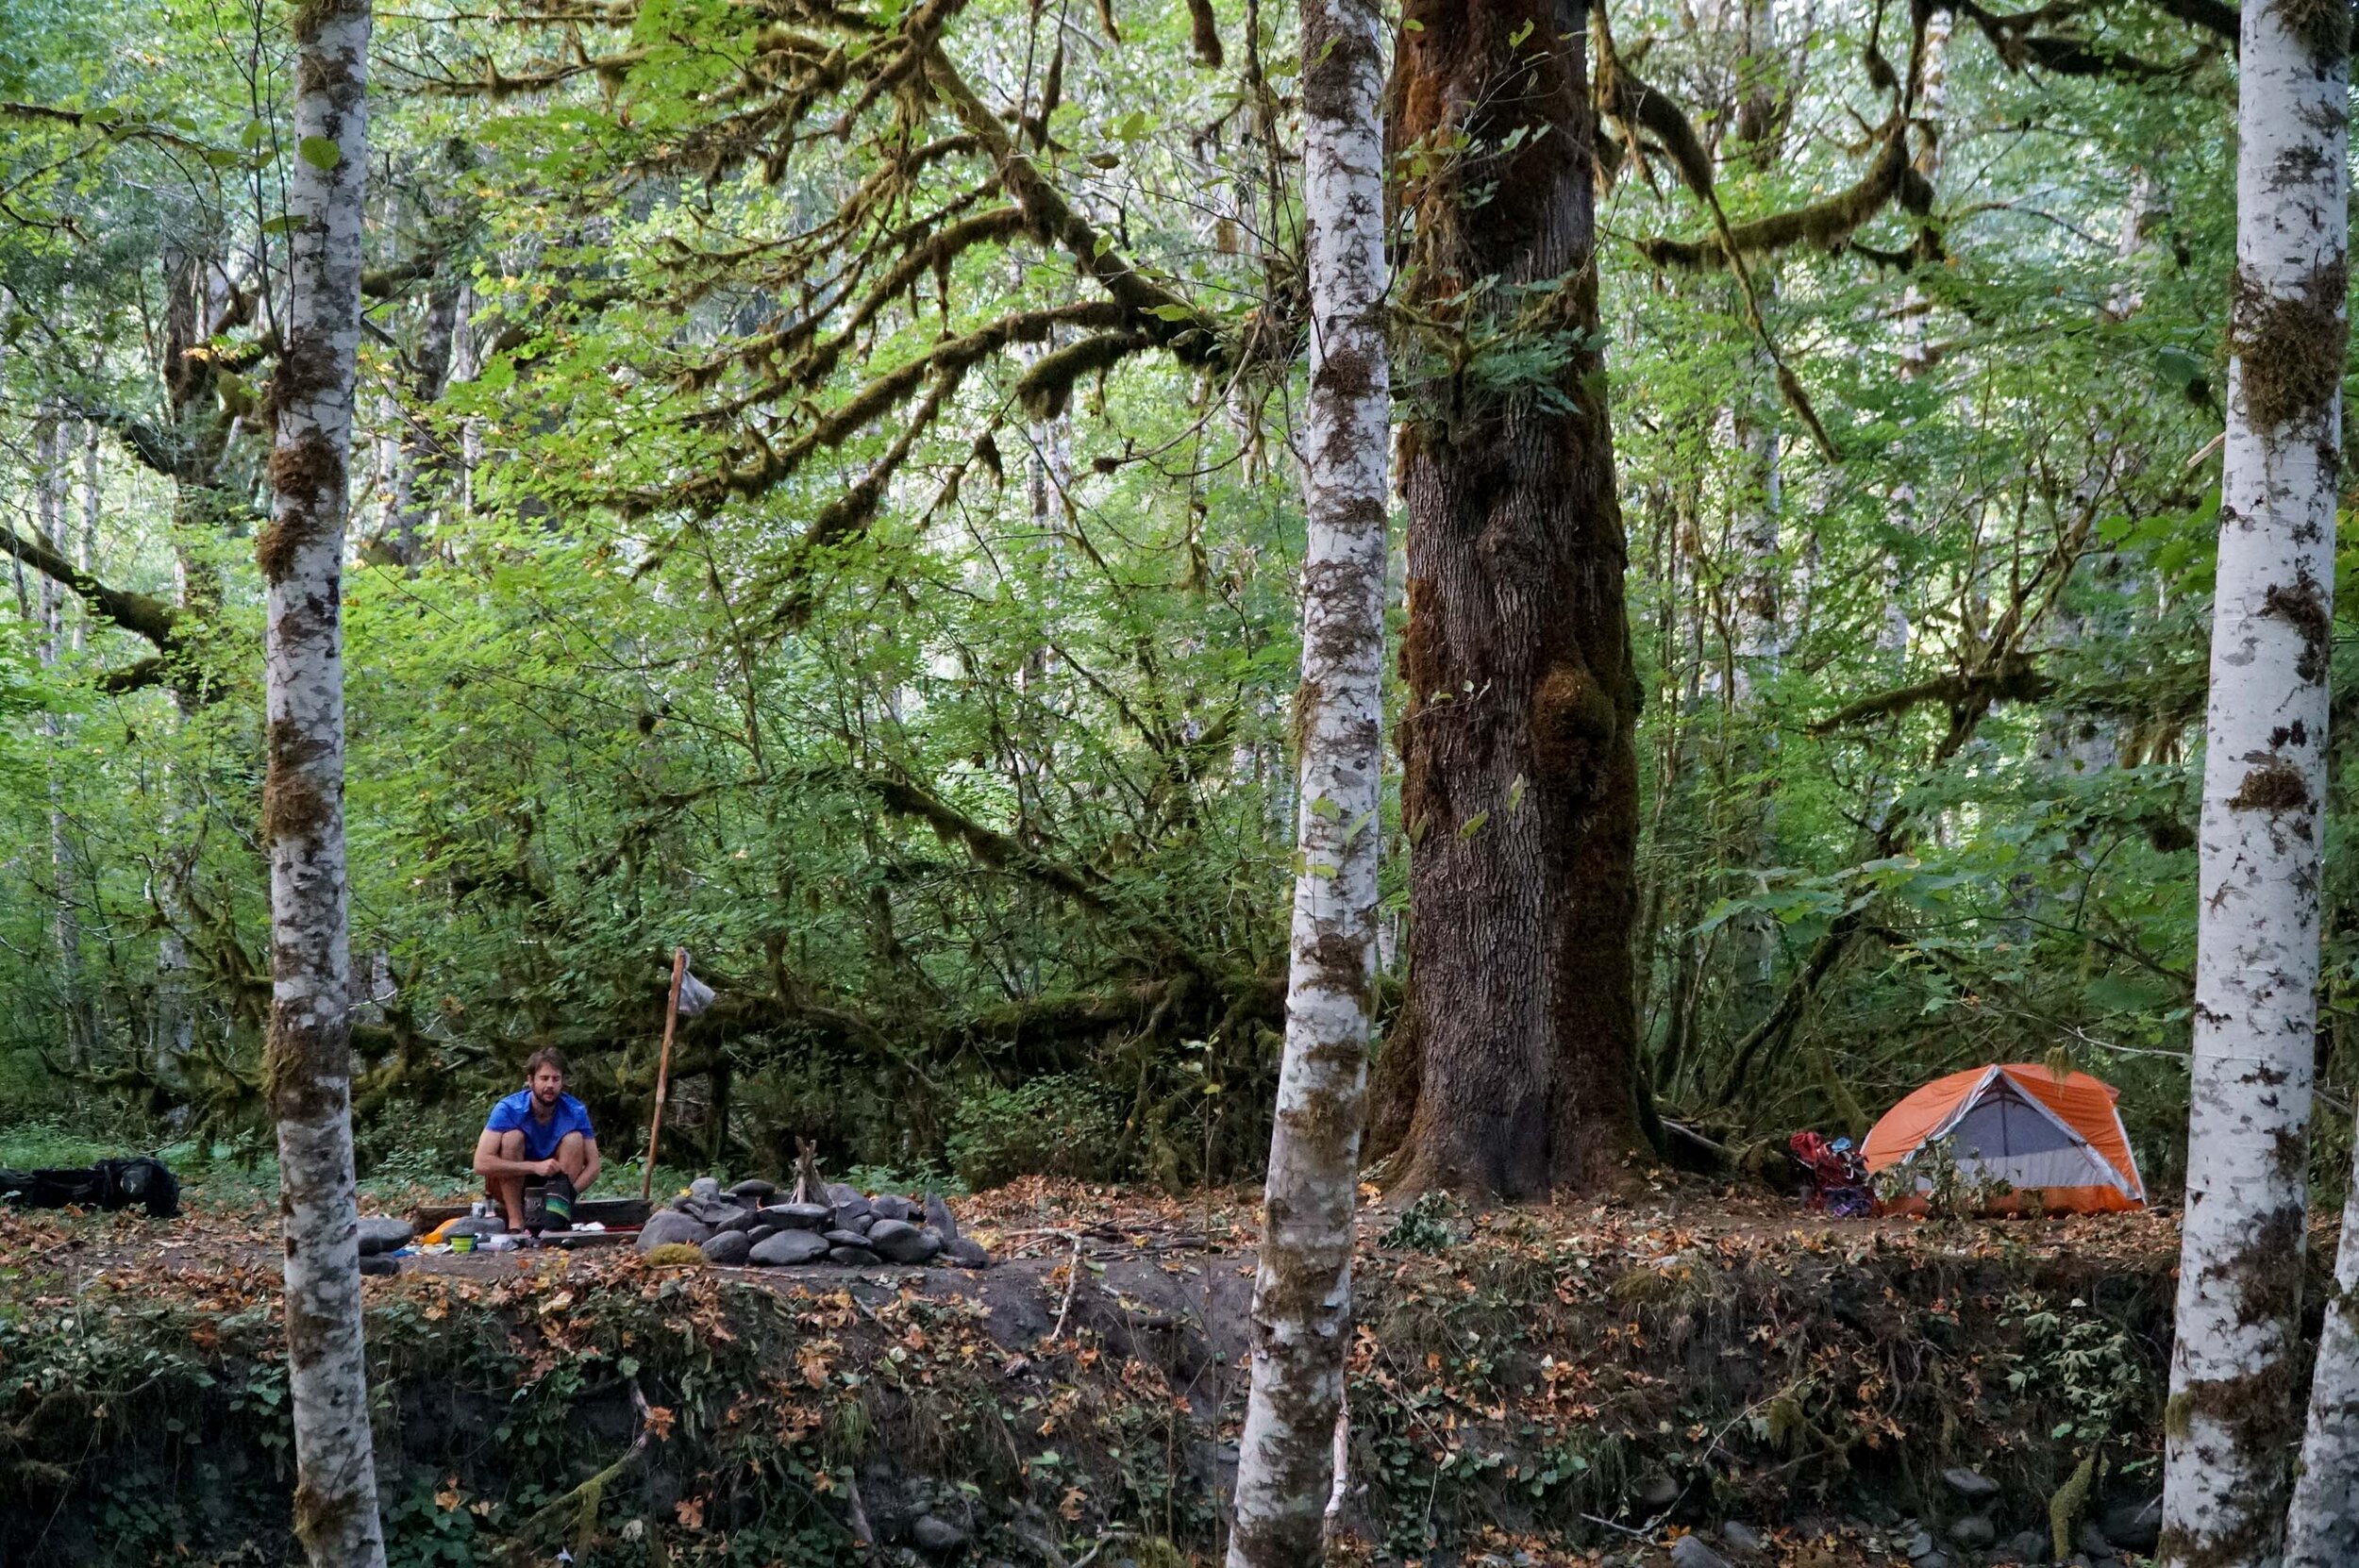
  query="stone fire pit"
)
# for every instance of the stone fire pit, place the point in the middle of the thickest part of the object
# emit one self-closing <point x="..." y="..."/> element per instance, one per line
<point x="751" y="1226"/>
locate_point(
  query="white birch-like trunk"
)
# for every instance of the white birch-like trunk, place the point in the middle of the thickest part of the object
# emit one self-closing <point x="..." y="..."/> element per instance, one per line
<point x="2230" y="1420"/>
<point x="302" y="559"/>
<point x="1302" y="1294"/>
<point x="2322" y="1531"/>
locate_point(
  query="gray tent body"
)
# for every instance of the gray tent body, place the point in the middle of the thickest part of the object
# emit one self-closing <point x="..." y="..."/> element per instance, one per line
<point x="1998" y="1133"/>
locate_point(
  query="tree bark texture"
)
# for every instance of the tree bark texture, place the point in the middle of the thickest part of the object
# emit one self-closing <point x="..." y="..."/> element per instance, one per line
<point x="2231" y="1421"/>
<point x="1302" y="1294"/>
<point x="301" y="555"/>
<point x="2322" y="1531"/>
<point x="1510" y="1071"/>
<point x="421" y="465"/>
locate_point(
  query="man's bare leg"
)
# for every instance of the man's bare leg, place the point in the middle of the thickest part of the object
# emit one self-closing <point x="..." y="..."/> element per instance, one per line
<point x="573" y="1158"/>
<point x="509" y="1190"/>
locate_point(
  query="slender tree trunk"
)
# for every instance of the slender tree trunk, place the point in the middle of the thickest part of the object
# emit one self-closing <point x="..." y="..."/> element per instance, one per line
<point x="310" y="1025"/>
<point x="421" y="466"/>
<point x="2322" y="1531"/>
<point x="2230" y="1420"/>
<point x="1511" y="1071"/>
<point x="49" y="521"/>
<point x="1302" y="1294"/>
<point x="1929" y="91"/>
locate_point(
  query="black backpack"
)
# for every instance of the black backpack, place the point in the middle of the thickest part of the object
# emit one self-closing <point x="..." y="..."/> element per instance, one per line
<point x="110" y="1184"/>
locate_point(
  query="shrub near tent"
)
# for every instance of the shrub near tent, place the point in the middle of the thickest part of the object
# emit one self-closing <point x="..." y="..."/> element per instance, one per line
<point x="2057" y="1142"/>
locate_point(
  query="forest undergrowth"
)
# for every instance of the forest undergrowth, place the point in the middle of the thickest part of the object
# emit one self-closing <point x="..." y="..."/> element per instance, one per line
<point x="1600" y="1380"/>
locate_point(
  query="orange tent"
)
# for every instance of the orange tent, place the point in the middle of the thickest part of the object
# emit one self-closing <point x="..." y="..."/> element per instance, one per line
<point x="2058" y="1138"/>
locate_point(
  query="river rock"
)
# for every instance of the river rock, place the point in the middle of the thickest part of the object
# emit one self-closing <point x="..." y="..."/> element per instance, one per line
<point x="801" y="1216"/>
<point x="705" y="1187"/>
<point x="1689" y="1551"/>
<point x="847" y="1238"/>
<point x="2026" y="1547"/>
<point x="716" y="1213"/>
<point x="667" y="1226"/>
<point x="728" y="1247"/>
<point x="379" y="1234"/>
<point x="754" y="1188"/>
<point x="378" y="1264"/>
<point x="1741" y="1537"/>
<point x="1974" y="1532"/>
<point x="853" y="1258"/>
<point x="938" y="1215"/>
<point x="787" y="1249"/>
<point x="2134" y="1524"/>
<point x="2093" y="1540"/>
<point x="891" y="1205"/>
<point x="933" y="1533"/>
<point x="742" y="1220"/>
<point x="1920" y="1546"/>
<point x="1656" y="1492"/>
<point x="1972" y="1487"/>
<point x="900" y="1241"/>
<point x="960" y="1251"/>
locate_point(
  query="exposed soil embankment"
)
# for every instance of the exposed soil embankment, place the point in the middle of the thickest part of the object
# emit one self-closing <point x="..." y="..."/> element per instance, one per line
<point x="1549" y="1381"/>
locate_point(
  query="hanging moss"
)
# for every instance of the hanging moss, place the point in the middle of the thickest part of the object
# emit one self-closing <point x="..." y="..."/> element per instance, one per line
<point x="1048" y="385"/>
<point x="2289" y="346"/>
<point x="2324" y="25"/>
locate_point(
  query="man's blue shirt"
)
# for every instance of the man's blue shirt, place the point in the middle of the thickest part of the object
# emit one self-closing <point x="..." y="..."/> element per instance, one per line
<point x="514" y="1114"/>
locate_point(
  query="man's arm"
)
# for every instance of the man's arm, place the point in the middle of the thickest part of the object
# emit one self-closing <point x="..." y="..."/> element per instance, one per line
<point x="488" y="1161"/>
<point x="588" y="1171"/>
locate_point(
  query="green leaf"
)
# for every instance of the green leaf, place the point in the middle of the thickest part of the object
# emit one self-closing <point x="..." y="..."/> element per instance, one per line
<point x="320" y="153"/>
<point x="1171" y="313"/>
<point x="1473" y="825"/>
<point x="286" y="223"/>
<point x="1515" y="791"/>
<point x="1515" y="39"/>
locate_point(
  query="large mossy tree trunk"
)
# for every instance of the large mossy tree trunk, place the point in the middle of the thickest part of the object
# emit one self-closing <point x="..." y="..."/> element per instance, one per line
<point x="1510" y="1072"/>
<point x="1303" y="1292"/>
<point x="2232" y="1418"/>
<point x="301" y="552"/>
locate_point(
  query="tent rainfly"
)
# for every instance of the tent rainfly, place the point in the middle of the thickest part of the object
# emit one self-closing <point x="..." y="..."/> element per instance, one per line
<point x="2058" y="1138"/>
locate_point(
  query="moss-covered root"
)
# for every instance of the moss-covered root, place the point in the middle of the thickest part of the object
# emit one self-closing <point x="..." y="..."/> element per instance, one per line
<point x="2063" y="1508"/>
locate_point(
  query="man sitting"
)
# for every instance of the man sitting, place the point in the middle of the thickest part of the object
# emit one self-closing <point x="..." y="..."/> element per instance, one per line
<point x="541" y="1135"/>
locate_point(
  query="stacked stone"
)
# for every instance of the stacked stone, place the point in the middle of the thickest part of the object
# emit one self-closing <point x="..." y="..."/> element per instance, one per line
<point x="746" y="1226"/>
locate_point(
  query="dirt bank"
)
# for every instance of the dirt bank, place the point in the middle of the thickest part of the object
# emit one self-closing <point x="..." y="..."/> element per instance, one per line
<point x="1573" y="1384"/>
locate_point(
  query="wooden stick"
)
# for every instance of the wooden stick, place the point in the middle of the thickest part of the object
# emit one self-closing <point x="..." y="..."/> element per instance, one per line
<point x="663" y="1071"/>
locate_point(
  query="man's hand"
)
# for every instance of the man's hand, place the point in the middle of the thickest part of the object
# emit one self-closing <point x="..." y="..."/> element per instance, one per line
<point x="544" y="1167"/>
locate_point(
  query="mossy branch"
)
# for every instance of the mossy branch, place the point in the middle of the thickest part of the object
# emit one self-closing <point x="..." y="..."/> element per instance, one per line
<point x="1827" y="222"/>
<point x="140" y="615"/>
<point x="2015" y="680"/>
<point x="1162" y="316"/>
